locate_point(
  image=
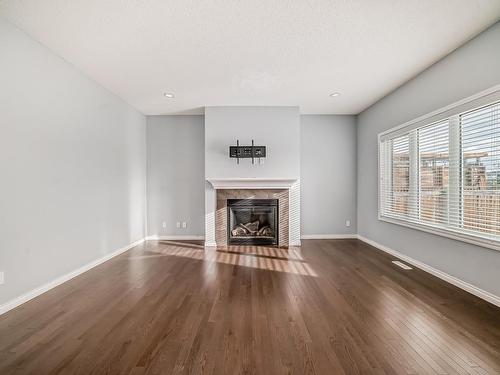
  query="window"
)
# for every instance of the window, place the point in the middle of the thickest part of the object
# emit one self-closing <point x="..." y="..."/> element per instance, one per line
<point x="401" y="175"/>
<point x="441" y="173"/>
<point x="481" y="169"/>
<point x="433" y="172"/>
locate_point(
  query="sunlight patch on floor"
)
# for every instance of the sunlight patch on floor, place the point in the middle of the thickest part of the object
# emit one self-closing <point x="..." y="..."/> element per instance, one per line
<point x="259" y="257"/>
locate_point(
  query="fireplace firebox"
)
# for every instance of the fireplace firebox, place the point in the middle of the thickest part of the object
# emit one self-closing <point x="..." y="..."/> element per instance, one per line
<point x="252" y="221"/>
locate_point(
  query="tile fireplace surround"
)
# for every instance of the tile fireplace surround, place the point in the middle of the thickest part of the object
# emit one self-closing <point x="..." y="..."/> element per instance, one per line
<point x="287" y="191"/>
<point x="221" y="213"/>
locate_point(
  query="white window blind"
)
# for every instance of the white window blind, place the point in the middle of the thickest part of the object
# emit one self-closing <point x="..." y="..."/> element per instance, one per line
<point x="434" y="167"/>
<point x="400" y="189"/>
<point x="443" y="175"/>
<point x="481" y="169"/>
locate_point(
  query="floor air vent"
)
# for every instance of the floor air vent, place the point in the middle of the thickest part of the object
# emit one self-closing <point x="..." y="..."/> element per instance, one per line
<point x="402" y="265"/>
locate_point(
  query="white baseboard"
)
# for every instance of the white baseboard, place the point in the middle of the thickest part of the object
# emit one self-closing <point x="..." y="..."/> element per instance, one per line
<point x="182" y="237"/>
<point x="197" y="238"/>
<point x="62" y="279"/>
<point x="483" y="294"/>
<point x="213" y="244"/>
<point x="328" y="236"/>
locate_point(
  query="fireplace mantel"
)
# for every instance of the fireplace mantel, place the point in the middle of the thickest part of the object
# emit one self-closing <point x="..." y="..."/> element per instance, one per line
<point x="252" y="183"/>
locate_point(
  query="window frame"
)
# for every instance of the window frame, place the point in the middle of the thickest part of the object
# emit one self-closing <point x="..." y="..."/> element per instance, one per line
<point x="452" y="113"/>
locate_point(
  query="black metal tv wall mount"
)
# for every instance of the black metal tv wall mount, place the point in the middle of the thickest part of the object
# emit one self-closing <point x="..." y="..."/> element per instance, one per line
<point x="246" y="152"/>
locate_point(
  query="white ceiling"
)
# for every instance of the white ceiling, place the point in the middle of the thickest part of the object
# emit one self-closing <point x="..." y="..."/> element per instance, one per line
<point x="254" y="52"/>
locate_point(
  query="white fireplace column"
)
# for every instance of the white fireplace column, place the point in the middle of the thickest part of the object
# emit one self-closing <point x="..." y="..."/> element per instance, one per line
<point x="210" y="209"/>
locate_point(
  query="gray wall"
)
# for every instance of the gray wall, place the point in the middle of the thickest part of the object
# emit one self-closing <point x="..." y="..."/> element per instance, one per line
<point x="468" y="70"/>
<point x="72" y="162"/>
<point x="277" y="128"/>
<point x="176" y="168"/>
<point x="176" y="154"/>
<point x="328" y="174"/>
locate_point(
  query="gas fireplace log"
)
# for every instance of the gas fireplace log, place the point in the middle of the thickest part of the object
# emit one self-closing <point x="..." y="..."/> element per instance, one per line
<point x="262" y="230"/>
<point x="240" y="231"/>
<point x="265" y="231"/>
<point x="251" y="227"/>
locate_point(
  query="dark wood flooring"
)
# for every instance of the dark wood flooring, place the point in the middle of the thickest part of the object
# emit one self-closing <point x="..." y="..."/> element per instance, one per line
<point x="333" y="307"/>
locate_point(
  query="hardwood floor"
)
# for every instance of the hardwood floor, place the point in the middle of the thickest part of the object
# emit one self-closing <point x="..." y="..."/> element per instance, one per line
<point x="333" y="307"/>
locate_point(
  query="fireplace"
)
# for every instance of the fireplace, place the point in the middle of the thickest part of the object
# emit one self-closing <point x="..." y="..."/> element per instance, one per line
<point x="252" y="222"/>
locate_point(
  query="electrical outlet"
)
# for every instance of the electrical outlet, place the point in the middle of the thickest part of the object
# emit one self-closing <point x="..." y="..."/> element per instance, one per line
<point x="348" y="223"/>
<point x="184" y="224"/>
<point x="2" y="278"/>
<point x="164" y="224"/>
<point x="178" y="224"/>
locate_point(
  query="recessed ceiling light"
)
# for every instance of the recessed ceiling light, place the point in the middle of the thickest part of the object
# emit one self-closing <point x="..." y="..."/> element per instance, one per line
<point x="168" y="95"/>
<point x="334" y="94"/>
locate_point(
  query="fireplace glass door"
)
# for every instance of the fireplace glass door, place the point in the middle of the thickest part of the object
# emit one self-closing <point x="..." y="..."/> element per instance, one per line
<point x="252" y="221"/>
